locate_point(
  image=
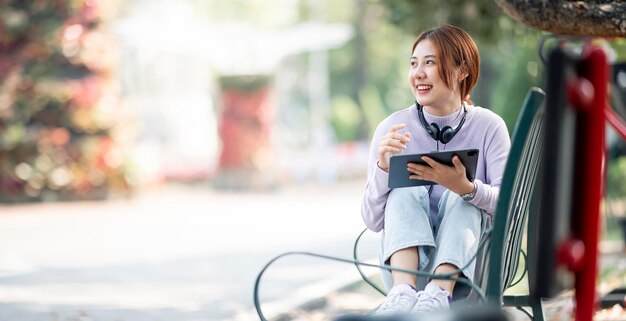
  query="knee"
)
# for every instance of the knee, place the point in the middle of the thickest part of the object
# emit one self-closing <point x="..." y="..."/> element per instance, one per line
<point x="408" y="194"/>
<point x="404" y="201"/>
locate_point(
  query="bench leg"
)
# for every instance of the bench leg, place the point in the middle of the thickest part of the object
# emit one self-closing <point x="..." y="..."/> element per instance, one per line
<point x="521" y="301"/>
<point x="537" y="311"/>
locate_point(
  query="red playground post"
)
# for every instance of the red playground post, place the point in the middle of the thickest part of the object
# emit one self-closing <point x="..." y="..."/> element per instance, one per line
<point x="588" y="191"/>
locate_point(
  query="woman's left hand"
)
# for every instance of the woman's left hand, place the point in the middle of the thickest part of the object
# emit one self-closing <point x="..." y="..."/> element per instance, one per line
<point x="450" y="177"/>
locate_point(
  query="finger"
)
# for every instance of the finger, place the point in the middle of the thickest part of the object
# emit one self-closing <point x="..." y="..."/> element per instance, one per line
<point x="421" y="172"/>
<point x="392" y="142"/>
<point x="431" y="162"/>
<point x="416" y="174"/>
<point x="421" y="177"/>
<point x="389" y="149"/>
<point x="396" y="127"/>
<point x="417" y="167"/>
<point x="457" y="163"/>
<point x="399" y="137"/>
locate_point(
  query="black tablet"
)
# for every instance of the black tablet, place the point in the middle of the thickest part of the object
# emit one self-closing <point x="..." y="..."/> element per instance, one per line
<point x="399" y="175"/>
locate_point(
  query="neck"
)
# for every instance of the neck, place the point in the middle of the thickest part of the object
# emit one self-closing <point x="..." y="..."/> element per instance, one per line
<point x="443" y="110"/>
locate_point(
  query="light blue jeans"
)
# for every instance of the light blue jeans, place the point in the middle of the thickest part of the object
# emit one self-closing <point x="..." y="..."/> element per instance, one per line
<point x="453" y="238"/>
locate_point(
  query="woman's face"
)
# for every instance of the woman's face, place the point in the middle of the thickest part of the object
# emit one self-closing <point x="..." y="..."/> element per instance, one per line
<point x="427" y="86"/>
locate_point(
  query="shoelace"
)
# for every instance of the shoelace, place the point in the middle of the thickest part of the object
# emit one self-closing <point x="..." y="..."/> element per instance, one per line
<point x="426" y="302"/>
<point x="400" y="299"/>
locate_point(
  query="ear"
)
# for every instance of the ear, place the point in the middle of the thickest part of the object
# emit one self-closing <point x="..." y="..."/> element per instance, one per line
<point x="463" y="72"/>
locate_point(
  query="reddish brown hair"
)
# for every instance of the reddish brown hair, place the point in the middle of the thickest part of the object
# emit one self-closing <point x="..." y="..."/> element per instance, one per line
<point x="455" y="48"/>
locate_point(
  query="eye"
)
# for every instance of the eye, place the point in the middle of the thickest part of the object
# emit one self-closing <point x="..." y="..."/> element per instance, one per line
<point x="430" y="62"/>
<point x="412" y="63"/>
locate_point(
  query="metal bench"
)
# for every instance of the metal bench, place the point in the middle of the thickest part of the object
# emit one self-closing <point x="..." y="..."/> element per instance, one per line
<point x="498" y="261"/>
<point x="517" y="201"/>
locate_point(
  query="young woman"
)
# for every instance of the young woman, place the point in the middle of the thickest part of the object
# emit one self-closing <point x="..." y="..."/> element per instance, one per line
<point x="435" y="228"/>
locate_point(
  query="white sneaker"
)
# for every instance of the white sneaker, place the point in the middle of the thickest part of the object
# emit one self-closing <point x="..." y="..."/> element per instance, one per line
<point x="432" y="299"/>
<point x="400" y="299"/>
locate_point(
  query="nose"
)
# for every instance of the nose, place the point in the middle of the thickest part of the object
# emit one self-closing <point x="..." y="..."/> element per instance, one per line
<point x="417" y="72"/>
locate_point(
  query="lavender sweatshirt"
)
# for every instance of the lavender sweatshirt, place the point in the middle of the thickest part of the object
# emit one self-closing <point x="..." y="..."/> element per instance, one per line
<point x="483" y="129"/>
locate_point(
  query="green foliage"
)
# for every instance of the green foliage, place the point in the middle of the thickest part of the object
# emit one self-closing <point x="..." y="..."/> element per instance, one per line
<point x="342" y="71"/>
<point x="373" y="107"/>
<point x="619" y="46"/>
<point x="374" y="60"/>
<point x="345" y="118"/>
<point x="616" y="178"/>
<point x="512" y="79"/>
<point x="476" y="17"/>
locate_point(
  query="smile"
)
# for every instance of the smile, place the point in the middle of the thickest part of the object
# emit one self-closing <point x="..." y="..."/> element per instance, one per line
<point x="424" y="87"/>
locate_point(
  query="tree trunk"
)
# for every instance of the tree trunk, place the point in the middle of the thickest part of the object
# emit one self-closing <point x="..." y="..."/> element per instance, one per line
<point x="580" y="18"/>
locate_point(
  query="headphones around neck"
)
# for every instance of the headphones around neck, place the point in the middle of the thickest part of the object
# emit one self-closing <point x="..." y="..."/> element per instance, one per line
<point x="445" y="134"/>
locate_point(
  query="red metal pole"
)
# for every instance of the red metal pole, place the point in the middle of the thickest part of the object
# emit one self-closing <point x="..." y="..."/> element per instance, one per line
<point x="615" y="121"/>
<point x="588" y="195"/>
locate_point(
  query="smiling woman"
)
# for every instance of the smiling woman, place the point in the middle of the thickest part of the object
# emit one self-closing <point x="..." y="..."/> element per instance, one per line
<point x="458" y="64"/>
<point x="435" y="228"/>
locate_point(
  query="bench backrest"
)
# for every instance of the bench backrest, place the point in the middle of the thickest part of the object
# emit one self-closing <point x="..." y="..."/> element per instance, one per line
<point x="517" y="197"/>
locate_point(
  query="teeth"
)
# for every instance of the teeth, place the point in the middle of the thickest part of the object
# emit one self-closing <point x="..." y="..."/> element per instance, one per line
<point x="423" y="87"/>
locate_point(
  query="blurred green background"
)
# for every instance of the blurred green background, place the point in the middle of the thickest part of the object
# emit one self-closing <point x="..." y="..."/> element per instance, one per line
<point x="99" y="99"/>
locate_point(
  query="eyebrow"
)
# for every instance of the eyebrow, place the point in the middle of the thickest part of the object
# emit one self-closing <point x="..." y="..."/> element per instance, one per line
<point x="427" y="56"/>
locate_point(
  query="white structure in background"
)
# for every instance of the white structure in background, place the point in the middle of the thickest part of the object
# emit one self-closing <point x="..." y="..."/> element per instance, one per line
<point x="170" y="61"/>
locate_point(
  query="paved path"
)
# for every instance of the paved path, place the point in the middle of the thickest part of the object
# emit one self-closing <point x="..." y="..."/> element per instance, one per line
<point x="179" y="253"/>
<point x="183" y="253"/>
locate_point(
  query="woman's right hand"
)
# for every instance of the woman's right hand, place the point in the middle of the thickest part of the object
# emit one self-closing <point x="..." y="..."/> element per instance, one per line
<point x="392" y="143"/>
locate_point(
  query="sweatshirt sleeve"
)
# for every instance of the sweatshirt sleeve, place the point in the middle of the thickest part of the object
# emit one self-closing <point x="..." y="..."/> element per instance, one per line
<point x="496" y="153"/>
<point x="376" y="188"/>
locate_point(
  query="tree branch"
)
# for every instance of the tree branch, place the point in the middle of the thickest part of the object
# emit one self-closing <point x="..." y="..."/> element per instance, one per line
<point x="580" y="18"/>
